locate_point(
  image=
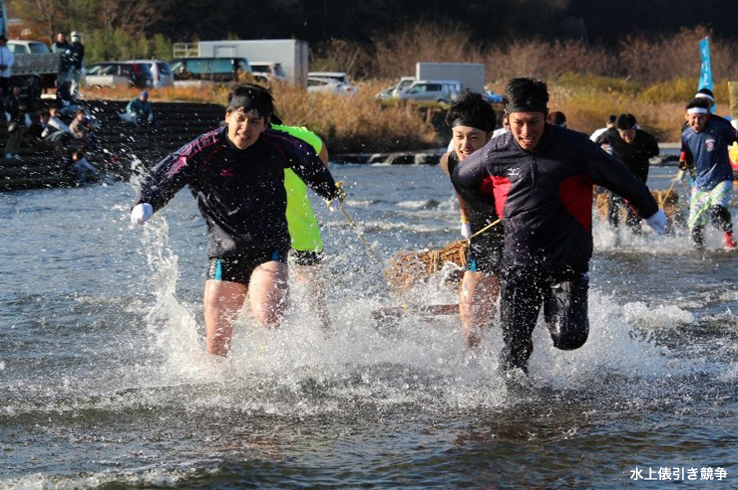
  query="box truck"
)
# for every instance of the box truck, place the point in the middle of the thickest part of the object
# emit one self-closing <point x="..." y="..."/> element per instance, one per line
<point x="290" y="54"/>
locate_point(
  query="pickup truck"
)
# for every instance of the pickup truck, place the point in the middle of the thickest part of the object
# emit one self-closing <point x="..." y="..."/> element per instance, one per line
<point x="35" y="69"/>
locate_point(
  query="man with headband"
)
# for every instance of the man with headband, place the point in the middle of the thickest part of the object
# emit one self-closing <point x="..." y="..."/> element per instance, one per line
<point x="236" y="174"/>
<point x="472" y="122"/>
<point x="705" y="145"/>
<point x="542" y="178"/>
<point x="634" y="147"/>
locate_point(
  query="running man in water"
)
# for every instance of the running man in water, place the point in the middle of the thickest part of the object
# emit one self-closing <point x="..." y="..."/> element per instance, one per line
<point x="236" y="174"/>
<point x="542" y="176"/>
<point x="634" y="147"/>
<point x="307" y="245"/>
<point x="472" y="121"/>
<point x="705" y="143"/>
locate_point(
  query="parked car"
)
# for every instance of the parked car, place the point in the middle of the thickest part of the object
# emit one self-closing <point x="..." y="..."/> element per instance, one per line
<point x="113" y="73"/>
<point x="330" y="85"/>
<point x="395" y="89"/>
<point x="25" y="47"/>
<point x="161" y="72"/>
<point x="335" y="75"/>
<point x="212" y="69"/>
<point x="268" y="70"/>
<point x="442" y="91"/>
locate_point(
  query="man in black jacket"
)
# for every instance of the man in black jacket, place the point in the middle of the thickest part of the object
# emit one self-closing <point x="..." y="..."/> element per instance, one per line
<point x="634" y="147"/>
<point x="542" y="178"/>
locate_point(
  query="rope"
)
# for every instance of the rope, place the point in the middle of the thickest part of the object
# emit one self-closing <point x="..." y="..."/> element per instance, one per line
<point x="358" y="233"/>
<point x="484" y="229"/>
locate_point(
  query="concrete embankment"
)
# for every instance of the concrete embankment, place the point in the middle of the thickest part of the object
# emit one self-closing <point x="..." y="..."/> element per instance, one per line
<point x="121" y="147"/>
<point x="118" y="148"/>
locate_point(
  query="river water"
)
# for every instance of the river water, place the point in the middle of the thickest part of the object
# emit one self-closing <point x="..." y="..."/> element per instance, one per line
<point x="104" y="382"/>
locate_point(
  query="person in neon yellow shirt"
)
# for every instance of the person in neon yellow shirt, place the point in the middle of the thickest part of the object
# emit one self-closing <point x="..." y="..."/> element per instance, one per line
<point x="304" y="231"/>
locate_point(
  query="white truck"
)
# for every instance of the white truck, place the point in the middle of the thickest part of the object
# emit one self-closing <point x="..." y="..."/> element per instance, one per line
<point x="290" y="54"/>
<point x="471" y="75"/>
<point x="34" y="67"/>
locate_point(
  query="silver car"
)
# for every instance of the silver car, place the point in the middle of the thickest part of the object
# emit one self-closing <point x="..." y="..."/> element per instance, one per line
<point x="442" y="91"/>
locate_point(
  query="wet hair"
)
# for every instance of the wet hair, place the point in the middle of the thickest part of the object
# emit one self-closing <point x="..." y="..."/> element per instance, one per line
<point x="471" y="110"/>
<point x="706" y="93"/>
<point x="44" y="113"/>
<point x="699" y="103"/>
<point x="80" y="111"/>
<point x="557" y="118"/>
<point x="611" y="119"/>
<point x="79" y="152"/>
<point x="624" y="122"/>
<point x="526" y="95"/>
<point x="252" y="97"/>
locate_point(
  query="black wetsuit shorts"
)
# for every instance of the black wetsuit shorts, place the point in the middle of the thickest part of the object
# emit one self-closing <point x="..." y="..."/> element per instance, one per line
<point x="239" y="268"/>
<point x="307" y="257"/>
<point x="563" y="293"/>
<point x="485" y="253"/>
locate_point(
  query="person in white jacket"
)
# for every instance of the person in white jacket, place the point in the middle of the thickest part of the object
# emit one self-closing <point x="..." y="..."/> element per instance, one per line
<point x="6" y="63"/>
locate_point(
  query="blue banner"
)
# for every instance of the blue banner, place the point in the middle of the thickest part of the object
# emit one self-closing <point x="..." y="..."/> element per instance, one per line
<point x="706" y="73"/>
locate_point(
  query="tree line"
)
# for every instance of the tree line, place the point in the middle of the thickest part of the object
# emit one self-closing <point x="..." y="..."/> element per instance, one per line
<point x="114" y="29"/>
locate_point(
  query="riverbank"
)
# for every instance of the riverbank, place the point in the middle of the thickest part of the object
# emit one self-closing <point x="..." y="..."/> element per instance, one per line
<point x="360" y="123"/>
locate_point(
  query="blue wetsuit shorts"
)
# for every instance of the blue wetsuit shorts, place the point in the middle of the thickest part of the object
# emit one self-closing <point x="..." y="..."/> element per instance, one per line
<point x="239" y="268"/>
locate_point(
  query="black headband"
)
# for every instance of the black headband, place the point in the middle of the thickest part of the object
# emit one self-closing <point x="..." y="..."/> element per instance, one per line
<point x="477" y="122"/>
<point x="532" y="106"/>
<point x="247" y="104"/>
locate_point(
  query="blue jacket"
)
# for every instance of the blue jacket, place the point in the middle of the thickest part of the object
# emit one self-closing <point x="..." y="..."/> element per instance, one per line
<point x="707" y="152"/>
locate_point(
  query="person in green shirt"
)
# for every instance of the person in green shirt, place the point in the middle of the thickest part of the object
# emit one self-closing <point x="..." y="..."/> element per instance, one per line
<point x="307" y="245"/>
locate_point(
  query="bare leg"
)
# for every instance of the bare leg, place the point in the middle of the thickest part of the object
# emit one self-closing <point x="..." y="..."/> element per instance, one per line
<point x="223" y="300"/>
<point x="479" y="292"/>
<point x="310" y="275"/>
<point x="269" y="293"/>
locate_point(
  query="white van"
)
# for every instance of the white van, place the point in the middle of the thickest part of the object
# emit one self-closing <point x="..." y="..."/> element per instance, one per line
<point x="270" y="70"/>
<point x="442" y="91"/>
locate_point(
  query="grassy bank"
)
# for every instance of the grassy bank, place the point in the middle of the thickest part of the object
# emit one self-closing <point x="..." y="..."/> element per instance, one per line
<point x="360" y="123"/>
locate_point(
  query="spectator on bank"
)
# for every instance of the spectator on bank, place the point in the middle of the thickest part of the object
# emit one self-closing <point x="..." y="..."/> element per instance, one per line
<point x="6" y="64"/>
<point x="66" y="103"/>
<point x="56" y="122"/>
<point x="62" y="46"/>
<point x="139" y="111"/>
<point x="82" y="168"/>
<point x="81" y="129"/>
<point x="77" y="58"/>
<point x="15" y="114"/>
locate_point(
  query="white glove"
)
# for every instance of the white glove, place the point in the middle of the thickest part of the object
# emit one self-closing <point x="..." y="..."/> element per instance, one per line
<point x="141" y="213"/>
<point x="657" y="221"/>
<point x="466" y="230"/>
<point x="679" y="176"/>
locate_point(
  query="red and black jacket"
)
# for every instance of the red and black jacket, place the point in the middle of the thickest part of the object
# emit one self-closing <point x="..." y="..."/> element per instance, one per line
<point x="544" y="197"/>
